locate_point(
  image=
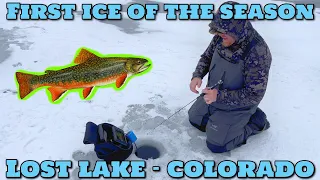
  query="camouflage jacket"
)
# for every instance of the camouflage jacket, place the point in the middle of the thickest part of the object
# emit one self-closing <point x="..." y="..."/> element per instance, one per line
<point x="249" y="47"/>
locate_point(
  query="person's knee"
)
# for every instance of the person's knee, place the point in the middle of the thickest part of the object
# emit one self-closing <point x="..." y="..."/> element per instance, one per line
<point x="201" y="128"/>
<point x="192" y="117"/>
<point x="216" y="148"/>
<point x="229" y="146"/>
<point x="203" y="123"/>
<point x="197" y="112"/>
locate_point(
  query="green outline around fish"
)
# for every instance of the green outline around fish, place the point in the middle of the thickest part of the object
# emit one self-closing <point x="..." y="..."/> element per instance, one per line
<point x="113" y="59"/>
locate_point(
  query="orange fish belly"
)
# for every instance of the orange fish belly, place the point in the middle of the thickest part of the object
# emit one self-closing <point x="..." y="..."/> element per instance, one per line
<point x="77" y="84"/>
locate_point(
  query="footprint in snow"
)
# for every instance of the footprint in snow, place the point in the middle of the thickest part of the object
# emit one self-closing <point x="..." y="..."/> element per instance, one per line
<point x="5" y="91"/>
<point x="78" y="156"/>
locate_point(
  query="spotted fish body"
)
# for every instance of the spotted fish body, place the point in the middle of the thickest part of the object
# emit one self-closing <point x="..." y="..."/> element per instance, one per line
<point x="90" y="71"/>
<point x="82" y="75"/>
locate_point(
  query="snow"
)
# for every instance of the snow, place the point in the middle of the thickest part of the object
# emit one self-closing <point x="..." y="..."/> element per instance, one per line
<point x="38" y="130"/>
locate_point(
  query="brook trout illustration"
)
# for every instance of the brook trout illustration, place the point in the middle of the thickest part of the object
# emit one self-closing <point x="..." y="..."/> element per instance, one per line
<point x="88" y="72"/>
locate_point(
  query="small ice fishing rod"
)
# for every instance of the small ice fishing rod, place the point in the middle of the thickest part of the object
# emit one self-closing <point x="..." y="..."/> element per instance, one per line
<point x="201" y="95"/>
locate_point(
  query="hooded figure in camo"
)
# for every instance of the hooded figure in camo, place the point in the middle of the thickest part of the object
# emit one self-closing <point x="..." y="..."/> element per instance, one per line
<point x="244" y="68"/>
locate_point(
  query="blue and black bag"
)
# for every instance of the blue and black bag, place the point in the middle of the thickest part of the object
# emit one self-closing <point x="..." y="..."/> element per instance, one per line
<point x="110" y="142"/>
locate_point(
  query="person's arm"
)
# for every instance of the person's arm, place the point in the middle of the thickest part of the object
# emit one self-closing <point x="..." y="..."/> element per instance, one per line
<point x="203" y="65"/>
<point x="256" y="72"/>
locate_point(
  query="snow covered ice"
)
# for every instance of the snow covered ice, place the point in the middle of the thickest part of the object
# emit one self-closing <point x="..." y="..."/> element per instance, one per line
<point x="38" y="130"/>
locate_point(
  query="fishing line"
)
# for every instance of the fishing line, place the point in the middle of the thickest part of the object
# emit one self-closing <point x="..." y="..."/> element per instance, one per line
<point x="201" y="95"/>
<point x="139" y="150"/>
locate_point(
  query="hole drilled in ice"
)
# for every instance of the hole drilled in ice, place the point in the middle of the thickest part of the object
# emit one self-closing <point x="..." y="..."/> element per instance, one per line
<point x="147" y="152"/>
<point x="149" y="149"/>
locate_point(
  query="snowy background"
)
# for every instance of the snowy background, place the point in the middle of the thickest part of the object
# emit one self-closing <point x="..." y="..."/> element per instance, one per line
<point x="36" y="129"/>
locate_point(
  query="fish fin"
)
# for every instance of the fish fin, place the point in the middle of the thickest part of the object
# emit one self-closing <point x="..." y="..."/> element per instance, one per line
<point x="121" y="80"/>
<point x="86" y="92"/>
<point x="25" y="86"/>
<point x="83" y="56"/>
<point x="56" y="92"/>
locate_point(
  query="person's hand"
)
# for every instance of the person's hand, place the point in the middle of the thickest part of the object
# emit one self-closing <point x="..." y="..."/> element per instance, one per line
<point x="210" y="95"/>
<point x="195" y="82"/>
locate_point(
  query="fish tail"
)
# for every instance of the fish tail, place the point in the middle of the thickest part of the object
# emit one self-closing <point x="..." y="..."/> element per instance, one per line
<point x="24" y="82"/>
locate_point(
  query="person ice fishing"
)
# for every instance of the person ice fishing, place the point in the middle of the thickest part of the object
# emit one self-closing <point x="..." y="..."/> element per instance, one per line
<point x="240" y="57"/>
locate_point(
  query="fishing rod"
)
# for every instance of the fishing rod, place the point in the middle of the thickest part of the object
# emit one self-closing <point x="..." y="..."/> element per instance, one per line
<point x="201" y="95"/>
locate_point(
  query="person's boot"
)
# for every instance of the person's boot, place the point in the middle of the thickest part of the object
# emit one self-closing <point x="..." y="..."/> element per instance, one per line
<point x="258" y="122"/>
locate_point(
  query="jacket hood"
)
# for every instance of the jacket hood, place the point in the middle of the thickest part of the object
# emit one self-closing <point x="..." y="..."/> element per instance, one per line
<point x="238" y="29"/>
